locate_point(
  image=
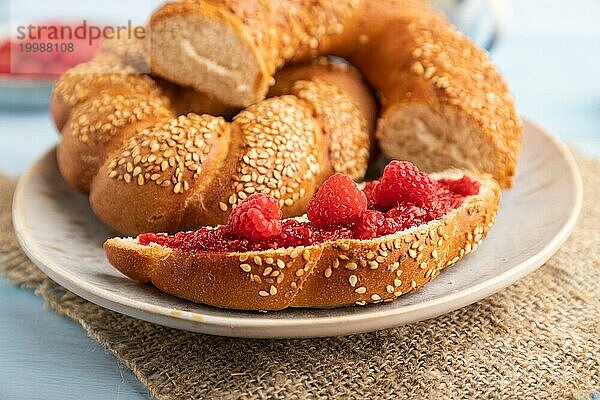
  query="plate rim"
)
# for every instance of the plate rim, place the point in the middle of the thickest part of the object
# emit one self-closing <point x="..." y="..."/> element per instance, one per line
<point x="320" y="326"/>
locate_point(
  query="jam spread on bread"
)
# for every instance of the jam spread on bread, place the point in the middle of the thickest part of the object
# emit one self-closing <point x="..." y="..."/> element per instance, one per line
<point x="402" y="198"/>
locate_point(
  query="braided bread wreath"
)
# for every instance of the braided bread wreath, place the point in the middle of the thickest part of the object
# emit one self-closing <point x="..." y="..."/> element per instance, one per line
<point x="442" y="104"/>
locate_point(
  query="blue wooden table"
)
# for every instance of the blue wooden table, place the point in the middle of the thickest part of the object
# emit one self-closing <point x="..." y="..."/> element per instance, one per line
<point x="551" y="57"/>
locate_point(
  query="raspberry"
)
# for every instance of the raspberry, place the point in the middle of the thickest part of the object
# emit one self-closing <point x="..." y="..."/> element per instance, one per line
<point x="408" y="215"/>
<point x="257" y="218"/>
<point x="389" y="226"/>
<point x="296" y="233"/>
<point x="337" y="202"/>
<point x="368" y="191"/>
<point x="464" y="186"/>
<point x="369" y="224"/>
<point x="403" y="182"/>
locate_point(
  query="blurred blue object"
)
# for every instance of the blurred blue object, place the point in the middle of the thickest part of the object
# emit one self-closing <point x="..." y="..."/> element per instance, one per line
<point x="485" y="21"/>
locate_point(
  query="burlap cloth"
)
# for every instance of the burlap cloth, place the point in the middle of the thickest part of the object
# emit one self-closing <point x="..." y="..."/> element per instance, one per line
<point x="540" y="338"/>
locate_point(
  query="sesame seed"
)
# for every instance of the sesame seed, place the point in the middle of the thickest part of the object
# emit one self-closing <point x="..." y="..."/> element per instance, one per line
<point x="223" y="206"/>
<point x="353" y="279"/>
<point x="273" y="290"/>
<point x="267" y="271"/>
<point x="246" y="267"/>
<point x="300" y="272"/>
<point x="328" y="272"/>
<point x="306" y="255"/>
<point x="361" y="290"/>
<point x="280" y="263"/>
<point x="243" y="257"/>
<point x="375" y="297"/>
<point x="397" y="282"/>
<point x="417" y="68"/>
<point x="263" y="293"/>
<point x="295" y="253"/>
<point x="351" y="266"/>
<point x="429" y="72"/>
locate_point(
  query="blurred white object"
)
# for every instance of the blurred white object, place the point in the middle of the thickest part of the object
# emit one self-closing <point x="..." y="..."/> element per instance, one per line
<point x="484" y="21"/>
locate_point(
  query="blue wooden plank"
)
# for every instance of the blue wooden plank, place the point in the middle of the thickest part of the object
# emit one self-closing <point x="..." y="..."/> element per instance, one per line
<point x="44" y="355"/>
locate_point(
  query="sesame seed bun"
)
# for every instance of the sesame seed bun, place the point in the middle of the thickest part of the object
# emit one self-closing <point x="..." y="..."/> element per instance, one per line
<point x="332" y="274"/>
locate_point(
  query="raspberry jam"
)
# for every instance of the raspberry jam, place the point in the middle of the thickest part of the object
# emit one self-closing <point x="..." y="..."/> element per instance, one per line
<point x="219" y="240"/>
<point x="435" y="199"/>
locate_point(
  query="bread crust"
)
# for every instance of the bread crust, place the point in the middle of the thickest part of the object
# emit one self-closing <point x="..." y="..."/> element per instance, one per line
<point x="406" y="50"/>
<point x="332" y="274"/>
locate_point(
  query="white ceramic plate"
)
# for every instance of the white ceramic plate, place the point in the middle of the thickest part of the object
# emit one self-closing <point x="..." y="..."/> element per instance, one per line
<point x="63" y="237"/>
